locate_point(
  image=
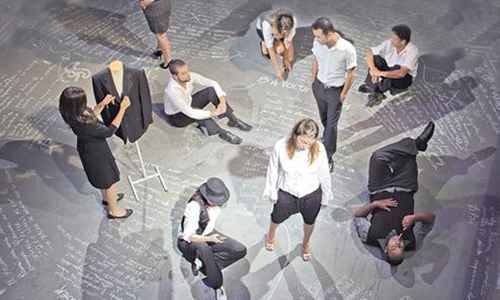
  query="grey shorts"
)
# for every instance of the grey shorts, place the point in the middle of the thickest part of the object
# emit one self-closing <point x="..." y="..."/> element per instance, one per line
<point x="158" y="15"/>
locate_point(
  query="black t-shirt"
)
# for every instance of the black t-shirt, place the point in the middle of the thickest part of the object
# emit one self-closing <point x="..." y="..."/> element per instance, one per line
<point x="383" y="221"/>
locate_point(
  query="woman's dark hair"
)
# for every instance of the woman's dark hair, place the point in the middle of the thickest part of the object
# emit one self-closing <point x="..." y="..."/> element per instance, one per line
<point x="324" y="24"/>
<point x="73" y="107"/>
<point x="284" y="22"/>
<point x="403" y="32"/>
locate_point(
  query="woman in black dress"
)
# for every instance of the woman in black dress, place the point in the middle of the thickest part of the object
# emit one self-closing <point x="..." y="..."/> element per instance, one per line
<point x="97" y="159"/>
<point x="157" y="13"/>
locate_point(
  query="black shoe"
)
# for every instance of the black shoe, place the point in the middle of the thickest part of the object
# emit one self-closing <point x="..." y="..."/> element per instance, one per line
<point x="157" y="53"/>
<point x="239" y="124"/>
<point x="375" y="99"/>
<point x="395" y="91"/>
<point x="364" y="88"/>
<point x="331" y="165"/>
<point x="120" y="197"/>
<point x="126" y="215"/>
<point x="230" y="137"/>
<point x="165" y="65"/>
<point x="422" y="140"/>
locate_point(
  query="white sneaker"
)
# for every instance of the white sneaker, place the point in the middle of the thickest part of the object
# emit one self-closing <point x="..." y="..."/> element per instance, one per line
<point x="220" y="294"/>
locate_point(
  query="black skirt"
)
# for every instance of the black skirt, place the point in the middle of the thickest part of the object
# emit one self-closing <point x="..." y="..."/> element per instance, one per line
<point x="99" y="164"/>
<point x="158" y="15"/>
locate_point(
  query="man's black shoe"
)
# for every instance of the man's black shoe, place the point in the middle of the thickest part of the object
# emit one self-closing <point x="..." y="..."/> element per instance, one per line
<point x="230" y="137"/>
<point x="375" y="99"/>
<point x="364" y="88"/>
<point x="239" y="124"/>
<point x="157" y="53"/>
<point x="422" y="140"/>
<point x="395" y="91"/>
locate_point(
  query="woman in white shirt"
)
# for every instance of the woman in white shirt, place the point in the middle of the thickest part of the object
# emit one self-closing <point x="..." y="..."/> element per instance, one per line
<point x="298" y="180"/>
<point x="276" y="30"/>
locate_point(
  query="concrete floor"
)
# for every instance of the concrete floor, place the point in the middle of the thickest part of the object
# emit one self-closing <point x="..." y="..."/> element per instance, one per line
<point x="56" y="242"/>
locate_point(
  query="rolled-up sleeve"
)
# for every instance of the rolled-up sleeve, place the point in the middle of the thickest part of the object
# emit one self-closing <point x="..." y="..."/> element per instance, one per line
<point x="324" y="176"/>
<point x="362" y="226"/>
<point x="199" y="79"/>
<point x="271" y="189"/>
<point x="191" y="219"/>
<point x="351" y="60"/>
<point x="380" y="49"/>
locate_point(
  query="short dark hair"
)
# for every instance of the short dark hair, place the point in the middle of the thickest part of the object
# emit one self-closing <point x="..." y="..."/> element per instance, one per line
<point x="174" y="66"/>
<point x="395" y="260"/>
<point x="403" y="32"/>
<point x="324" y="24"/>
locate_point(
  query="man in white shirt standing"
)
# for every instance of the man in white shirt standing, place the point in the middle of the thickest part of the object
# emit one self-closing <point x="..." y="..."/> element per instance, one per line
<point x="182" y="108"/>
<point x="207" y="250"/>
<point x="333" y="73"/>
<point x="392" y="66"/>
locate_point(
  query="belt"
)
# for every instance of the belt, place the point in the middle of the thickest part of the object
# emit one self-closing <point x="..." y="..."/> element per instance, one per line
<point x="325" y="86"/>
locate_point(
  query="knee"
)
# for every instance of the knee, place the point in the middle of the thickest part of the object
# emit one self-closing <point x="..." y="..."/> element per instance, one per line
<point x="240" y="251"/>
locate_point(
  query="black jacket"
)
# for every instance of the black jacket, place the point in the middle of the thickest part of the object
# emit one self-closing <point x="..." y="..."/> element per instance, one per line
<point x="140" y="113"/>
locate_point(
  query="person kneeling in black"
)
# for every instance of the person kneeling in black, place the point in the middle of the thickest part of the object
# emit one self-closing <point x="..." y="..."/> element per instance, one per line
<point x="392" y="184"/>
<point x="206" y="249"/>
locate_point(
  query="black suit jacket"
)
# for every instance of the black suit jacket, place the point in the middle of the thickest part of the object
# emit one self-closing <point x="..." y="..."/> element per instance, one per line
<point x="140" y="113"/>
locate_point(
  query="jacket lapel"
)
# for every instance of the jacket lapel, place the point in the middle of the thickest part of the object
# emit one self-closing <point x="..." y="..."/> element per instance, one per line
<point x="110" y="85"/>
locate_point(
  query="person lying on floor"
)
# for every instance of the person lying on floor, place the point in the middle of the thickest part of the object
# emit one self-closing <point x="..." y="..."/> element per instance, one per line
<point x="392" y="184"/>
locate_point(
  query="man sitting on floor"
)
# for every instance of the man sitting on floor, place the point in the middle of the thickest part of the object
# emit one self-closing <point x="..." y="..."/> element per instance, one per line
<point x="392" y="66"/>
<point x="183" y="108"/>
<point x="392" y="184"/>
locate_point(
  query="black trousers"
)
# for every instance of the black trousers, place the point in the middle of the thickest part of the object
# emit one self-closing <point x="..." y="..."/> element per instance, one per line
<point x="394" y="165"/>
<point x="387" y="83"/>
<point x="330" y="108"/>
<point x="214" y="256"/>
<point x="200" y="100"/>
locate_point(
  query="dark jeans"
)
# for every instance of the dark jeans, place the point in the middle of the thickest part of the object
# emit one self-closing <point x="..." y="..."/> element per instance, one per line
<point x="200" y="100"/>
<point x="387" y="83"/>
<point x="215" y="257"/>
<point x="330" y="108"/>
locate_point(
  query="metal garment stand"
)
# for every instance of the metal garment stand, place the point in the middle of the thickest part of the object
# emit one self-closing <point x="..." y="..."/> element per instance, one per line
<point x="145" y="176"/>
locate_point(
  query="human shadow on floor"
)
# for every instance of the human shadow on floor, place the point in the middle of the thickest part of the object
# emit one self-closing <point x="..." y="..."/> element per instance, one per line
<point x="97" y="27"/>
<point x="250" y="162"/>
<point x="56" y="164"/>
<point x="118" y="265"/>
<point x="396" y="118"/>
<point x="236" y="24"/>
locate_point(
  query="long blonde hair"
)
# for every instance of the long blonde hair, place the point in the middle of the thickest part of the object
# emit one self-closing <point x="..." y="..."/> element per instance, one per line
<point x="304" y="127"/>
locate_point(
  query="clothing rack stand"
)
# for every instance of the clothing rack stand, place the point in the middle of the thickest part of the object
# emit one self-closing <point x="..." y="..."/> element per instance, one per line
<point x="145" y="176"/>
